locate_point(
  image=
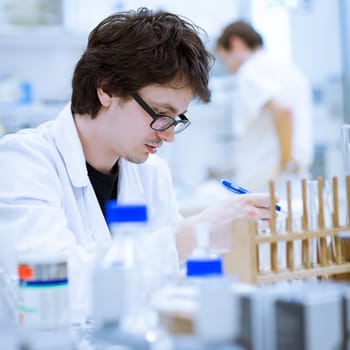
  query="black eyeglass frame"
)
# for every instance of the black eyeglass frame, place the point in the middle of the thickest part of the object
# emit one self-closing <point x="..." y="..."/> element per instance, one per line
<point x="183" y="122"/>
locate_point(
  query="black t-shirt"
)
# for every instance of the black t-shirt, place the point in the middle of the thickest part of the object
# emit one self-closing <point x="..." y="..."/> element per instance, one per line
<point x="105" y="186"/>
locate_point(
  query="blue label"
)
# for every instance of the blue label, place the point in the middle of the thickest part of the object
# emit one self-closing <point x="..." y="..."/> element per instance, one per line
<point x="51" y="283"/>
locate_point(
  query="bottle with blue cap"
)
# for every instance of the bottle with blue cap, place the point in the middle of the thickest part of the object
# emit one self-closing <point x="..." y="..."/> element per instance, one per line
<point x="214" y="321"/>
<point x="202" y="262"/>
<point x="132" y="251"/>
<point x="127" y="223"/>
<point x="118" y="281"/>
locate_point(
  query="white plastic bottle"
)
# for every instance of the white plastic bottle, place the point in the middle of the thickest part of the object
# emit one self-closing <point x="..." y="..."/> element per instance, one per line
<point x="214" y="321"/>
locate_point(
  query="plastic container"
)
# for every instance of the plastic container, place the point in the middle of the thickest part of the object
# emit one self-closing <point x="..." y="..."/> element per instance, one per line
<point x="43" y="292"/>
<point x="214" y="321"/>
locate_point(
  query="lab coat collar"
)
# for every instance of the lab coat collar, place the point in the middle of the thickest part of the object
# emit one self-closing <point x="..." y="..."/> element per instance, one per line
<point x="130" y="183"/>
<point x="69" y="145"/>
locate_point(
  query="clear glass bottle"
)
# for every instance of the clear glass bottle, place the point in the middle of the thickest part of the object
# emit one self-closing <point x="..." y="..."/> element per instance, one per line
<point x="126" y="270"/>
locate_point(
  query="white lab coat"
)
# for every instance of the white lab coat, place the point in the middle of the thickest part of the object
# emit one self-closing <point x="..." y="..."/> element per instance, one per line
<point x="48" y="205"/>
<point x="256" y="153"/>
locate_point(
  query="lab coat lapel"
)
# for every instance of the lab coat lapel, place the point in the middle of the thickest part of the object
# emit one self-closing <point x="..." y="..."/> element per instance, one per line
<point x="68" y="144"/>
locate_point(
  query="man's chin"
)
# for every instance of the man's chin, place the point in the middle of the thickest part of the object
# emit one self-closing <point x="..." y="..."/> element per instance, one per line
<point x="138" y="160"/>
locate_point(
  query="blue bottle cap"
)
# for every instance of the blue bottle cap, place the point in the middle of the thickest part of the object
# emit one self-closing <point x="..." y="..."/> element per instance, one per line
<point x="204" y="267"/>
<point x="125" y="213"/>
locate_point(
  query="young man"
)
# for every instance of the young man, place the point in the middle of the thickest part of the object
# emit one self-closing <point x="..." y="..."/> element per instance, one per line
<point x="131" y="90"/>
<point x="272" y="110"/>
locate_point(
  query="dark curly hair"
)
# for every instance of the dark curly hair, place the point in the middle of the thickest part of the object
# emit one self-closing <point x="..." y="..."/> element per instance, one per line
<point x="130" y="50"/>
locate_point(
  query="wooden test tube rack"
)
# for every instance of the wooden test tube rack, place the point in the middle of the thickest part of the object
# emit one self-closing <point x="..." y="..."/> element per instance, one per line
<point x="243" y="258"/>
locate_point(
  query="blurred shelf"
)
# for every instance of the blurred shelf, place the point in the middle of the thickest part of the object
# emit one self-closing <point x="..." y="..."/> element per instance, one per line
<point x="16" y="117"/>
<point x="40" y="38"/>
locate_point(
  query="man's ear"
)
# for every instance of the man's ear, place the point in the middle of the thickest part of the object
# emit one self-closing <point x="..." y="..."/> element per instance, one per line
<point x="105" y="99"/>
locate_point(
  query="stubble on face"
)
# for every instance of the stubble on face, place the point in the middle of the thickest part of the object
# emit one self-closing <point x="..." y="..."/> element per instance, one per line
<point x="144" y="141"/>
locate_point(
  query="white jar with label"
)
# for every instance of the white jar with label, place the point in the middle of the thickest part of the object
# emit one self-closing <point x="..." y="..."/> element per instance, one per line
<point x="43" y="292"/>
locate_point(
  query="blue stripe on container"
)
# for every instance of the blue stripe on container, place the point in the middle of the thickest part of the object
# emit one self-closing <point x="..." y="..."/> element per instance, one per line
<point x="51" y="283"/>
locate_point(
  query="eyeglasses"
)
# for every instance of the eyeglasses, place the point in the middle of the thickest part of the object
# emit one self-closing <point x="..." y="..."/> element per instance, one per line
<point x="163" y="122"/>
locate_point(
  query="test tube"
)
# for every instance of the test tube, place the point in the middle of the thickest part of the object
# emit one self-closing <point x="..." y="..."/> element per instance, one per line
<point x="345" y="135"/>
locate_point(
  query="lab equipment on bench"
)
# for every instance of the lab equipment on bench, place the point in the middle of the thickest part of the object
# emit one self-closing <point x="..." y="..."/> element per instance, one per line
<point x="200" y="303"/>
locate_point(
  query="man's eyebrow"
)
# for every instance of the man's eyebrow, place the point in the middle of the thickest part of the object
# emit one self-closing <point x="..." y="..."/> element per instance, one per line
<point x="169" y="107"/>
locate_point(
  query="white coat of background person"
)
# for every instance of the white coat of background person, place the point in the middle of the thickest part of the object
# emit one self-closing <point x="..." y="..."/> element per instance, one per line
<point x="131" y="87"/>
<point x="272" y="118"/>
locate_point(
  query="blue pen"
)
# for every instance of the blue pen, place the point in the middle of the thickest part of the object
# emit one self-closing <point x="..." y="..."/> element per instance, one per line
<point x="240" y="190"/>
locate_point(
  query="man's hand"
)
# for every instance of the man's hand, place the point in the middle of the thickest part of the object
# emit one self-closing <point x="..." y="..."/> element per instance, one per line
<point x="255" y="206"/>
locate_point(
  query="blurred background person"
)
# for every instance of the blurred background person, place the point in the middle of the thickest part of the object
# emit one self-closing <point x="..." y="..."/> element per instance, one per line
<point x="272" y="109"/>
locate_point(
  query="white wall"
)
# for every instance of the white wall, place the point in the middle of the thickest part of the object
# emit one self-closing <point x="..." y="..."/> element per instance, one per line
<point x="45" y="59"/>
<point x="316" y="49"/>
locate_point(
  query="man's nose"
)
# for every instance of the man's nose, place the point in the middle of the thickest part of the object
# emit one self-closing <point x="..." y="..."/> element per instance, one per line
<point x="167" y="135"/>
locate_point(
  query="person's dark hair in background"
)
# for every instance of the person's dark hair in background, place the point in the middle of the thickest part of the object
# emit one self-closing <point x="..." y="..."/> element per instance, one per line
<point x="130" y="50"/>
<point x="243" y="30"/>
